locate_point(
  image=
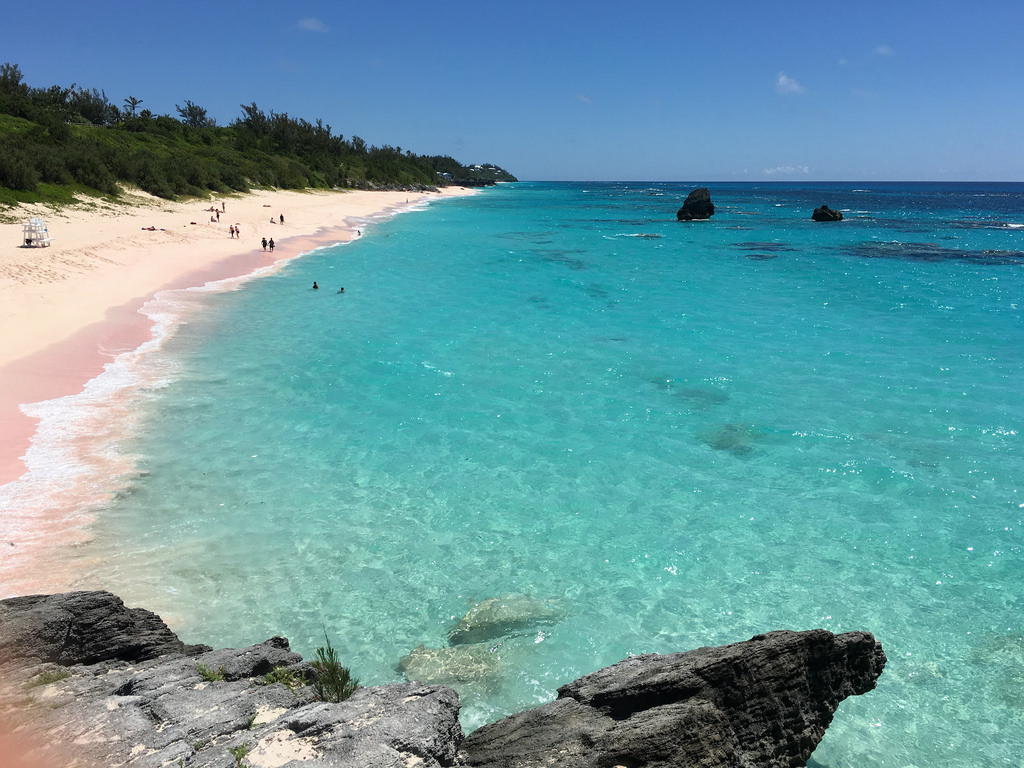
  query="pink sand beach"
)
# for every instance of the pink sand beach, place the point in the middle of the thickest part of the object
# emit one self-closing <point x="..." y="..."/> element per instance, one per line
<point x="68" y="310"/>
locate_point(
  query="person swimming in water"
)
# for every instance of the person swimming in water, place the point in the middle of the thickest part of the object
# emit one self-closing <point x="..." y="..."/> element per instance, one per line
<point x="315" y="286"/>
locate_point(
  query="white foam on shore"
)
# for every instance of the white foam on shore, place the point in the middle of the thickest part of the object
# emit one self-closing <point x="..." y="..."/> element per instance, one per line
<point x="76" y="462"/>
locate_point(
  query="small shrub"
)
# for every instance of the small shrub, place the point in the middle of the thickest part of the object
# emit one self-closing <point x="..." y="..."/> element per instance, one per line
<point x="239" y="753"/>
<point x="47" y="677"/>
<point x="209" y="675"/>
<point x="332" y="681"/>
<point x="287" y="677"/>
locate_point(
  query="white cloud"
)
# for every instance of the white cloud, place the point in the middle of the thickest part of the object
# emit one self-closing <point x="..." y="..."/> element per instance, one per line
<point x="786" y="84"/>
<point x="883" y="50"/>
<point x="311" y="24"/>
<point x="583" y="97"/>
<point x="786" y="170"/>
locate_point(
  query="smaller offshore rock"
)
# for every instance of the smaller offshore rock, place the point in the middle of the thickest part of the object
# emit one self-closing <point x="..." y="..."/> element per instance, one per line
<point x="504" y="616"/>
<point x="826" y="214"/>
<point x="697" y="206"/>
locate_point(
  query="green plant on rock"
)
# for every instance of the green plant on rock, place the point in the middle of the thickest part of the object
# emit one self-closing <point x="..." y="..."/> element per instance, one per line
<point x="209" y="675"/>
<point x="287" y="677"/>
<point x="239" y="753"/>
<point x="47" y="677"/>
<point x="331" y="682"/>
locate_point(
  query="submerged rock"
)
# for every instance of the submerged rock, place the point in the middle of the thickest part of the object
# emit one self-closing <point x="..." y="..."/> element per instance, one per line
<point x="453" y="665"/>
<point x="826" y="214"/>
<point x="737" y="439"/>
<point x="697" y="206"/>
<point x="505" y="616"/>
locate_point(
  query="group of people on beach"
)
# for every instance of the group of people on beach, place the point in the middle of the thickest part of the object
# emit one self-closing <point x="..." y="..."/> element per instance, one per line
<point x="269" y="243"/>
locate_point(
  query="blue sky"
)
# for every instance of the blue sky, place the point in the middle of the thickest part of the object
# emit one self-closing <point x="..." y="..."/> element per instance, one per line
<point x="643" y="90"/>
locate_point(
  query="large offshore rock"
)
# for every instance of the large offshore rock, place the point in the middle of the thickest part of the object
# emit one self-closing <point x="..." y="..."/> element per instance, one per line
<point x="824" y="213"/>
<point x="697" y="206"/>
<point x="762" y="703"/>
<point x="505" y="616"/>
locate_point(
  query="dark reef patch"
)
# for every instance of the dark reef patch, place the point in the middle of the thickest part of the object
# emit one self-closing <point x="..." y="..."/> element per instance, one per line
<point x="932" y="252"/>
<point x="696" y="397"/>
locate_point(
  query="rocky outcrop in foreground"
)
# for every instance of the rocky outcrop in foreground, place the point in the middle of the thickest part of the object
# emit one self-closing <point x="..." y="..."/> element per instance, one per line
<point x="696" y="206"/>
<point x="114" y="684"/>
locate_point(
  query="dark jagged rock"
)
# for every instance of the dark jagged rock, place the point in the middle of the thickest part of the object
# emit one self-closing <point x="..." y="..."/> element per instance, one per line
<point x="826" y="214"/>
<point x="765" y="702"/>
<point x="83" y="628"/>
<point x="141" y="703"/>
<point x="697" y="205"/>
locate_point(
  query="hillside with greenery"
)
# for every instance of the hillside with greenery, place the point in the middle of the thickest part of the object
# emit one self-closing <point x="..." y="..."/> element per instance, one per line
<point x="57" y="142"/>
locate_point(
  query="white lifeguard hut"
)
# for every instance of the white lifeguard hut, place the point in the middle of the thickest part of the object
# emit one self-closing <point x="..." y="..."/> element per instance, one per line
<point x="35" y="233"/>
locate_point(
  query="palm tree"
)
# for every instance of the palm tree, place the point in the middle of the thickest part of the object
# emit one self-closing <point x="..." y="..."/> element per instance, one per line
<point x="131" y="103"/>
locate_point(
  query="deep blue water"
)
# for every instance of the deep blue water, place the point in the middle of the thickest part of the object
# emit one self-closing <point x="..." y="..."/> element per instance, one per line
<point x="683" y="434"/>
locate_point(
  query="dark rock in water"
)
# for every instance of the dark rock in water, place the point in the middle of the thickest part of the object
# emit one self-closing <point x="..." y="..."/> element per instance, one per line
<point x="697" y="205"/>
<point x="765" y="702"/>
<point x="504" y="616"/>
<point x="826" y="214"/>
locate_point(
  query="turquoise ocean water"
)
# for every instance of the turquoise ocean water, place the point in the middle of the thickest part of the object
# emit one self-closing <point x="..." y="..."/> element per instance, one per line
<point x="686" y="434"/>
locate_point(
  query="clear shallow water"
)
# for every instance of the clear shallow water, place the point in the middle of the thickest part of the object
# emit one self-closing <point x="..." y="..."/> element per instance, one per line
<point x="690" y="433"/>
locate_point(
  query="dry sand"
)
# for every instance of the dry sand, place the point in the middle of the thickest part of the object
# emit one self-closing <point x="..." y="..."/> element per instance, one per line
<point x="68" y="309"/>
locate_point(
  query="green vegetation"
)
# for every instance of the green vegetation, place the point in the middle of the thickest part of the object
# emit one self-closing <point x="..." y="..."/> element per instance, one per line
<point x="209" y="675"/>
<point x="287" y="677"/>
<point x="47" y="677"/>
<point x="239" y="753"/>
<point x="57" y="142"/>
<point x="332" y="682"/>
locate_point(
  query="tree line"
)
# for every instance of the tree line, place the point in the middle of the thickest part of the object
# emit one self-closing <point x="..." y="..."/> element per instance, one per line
<point x="57" y="141"/>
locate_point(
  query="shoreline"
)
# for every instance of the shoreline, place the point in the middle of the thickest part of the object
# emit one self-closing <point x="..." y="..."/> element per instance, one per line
<point x="77" y="309"/>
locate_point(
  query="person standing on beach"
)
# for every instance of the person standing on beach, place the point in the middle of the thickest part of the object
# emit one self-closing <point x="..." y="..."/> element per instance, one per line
<point x="282" y="218"/>
<point x="271" y="244"/>
<point x="264" y="243"/>
<point x="231" y="229"/>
